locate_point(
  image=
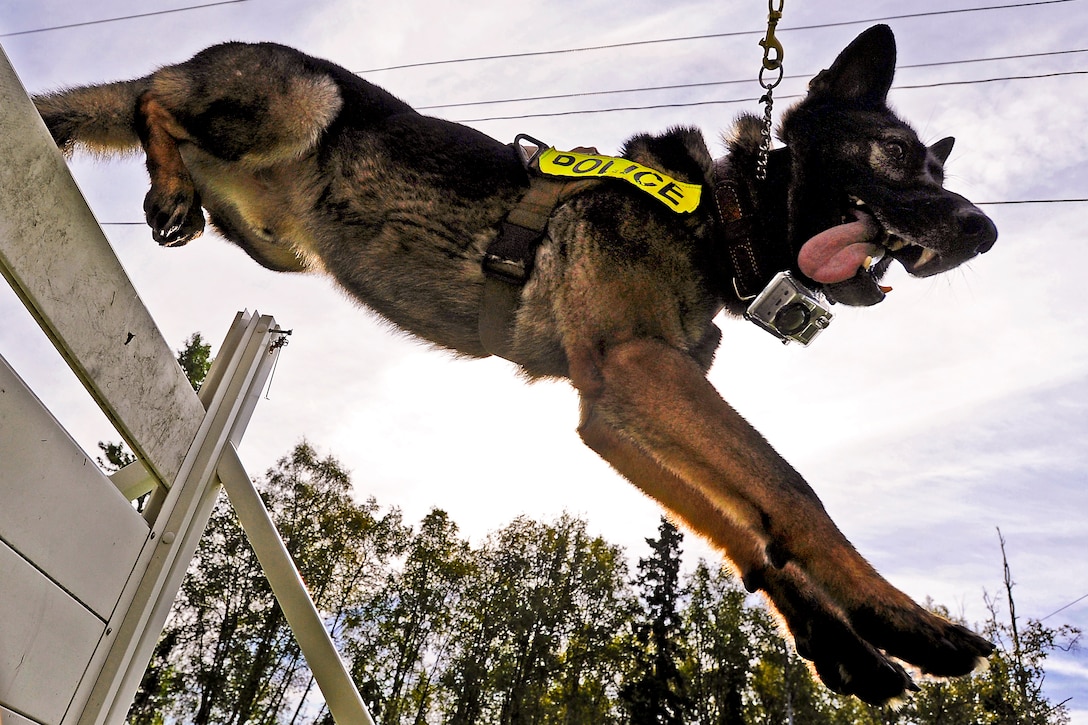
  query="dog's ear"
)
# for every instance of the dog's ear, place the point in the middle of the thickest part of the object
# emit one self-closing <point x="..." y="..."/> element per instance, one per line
<point x="862" y="73"/>
<point x="943" y="149"/>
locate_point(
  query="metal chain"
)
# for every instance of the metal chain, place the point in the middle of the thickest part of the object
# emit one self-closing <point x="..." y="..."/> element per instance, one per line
<point x="765" y="142"/>
<point x="772" y="61"/>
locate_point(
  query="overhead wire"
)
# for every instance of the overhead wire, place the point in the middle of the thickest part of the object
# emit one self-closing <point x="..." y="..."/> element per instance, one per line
<point x="728" y="101"/>
<point x="953" y="11"/>
<point x="735" y="81"/>
<point x="711" y="36"/>
<point x="101" y="21"/>
<point x="977" y="203"/>
<point x="1062" y="609"/>
<point x="1032" y="201"/>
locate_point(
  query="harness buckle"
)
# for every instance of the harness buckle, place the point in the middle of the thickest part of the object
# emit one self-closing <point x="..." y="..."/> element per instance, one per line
<point x="528" y="158"/>
<point x="514" y="271"/>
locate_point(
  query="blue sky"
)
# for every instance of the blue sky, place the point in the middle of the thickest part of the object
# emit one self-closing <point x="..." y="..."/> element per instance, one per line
<point x="957" y="406"/>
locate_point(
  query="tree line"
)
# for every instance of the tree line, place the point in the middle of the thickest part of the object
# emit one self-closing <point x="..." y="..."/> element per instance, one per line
<point x="541" y="623"/>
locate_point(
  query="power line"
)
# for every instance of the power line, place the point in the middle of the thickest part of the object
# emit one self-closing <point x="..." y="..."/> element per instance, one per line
<point x="1067" y="606"/>
<point x="710" y="36"/>
<point x="549" y="114"/>
<point x="588" y="111"/>
<point x="994" y="80"/>
<point x="736" y="81"/>
<point x="1034" y="201"/>
<point x="1020" y="56"/>
<point x="584" y="94"/>
<point x="981" y="203"/>
<point x="119" y="18"/>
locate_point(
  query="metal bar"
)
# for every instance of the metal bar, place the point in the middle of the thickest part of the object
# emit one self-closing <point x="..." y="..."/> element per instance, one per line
<point x="134" y="480"/>
<point x="178" y="528"/>
<point x="341" y="695"/>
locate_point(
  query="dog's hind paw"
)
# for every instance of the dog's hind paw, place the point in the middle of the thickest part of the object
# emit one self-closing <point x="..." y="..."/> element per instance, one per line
<point x="175" y="216"/>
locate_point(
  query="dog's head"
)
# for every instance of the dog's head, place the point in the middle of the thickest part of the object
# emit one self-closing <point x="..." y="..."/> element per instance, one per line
<point x="864" y="190"/>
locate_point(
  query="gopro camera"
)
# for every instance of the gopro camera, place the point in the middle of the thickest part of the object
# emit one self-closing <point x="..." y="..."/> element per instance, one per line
<point x="789" y="310"/>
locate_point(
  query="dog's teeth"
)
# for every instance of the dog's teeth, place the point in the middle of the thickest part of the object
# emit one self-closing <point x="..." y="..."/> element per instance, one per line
<point x="927" y="256"/>
<point x="894" y="244"/>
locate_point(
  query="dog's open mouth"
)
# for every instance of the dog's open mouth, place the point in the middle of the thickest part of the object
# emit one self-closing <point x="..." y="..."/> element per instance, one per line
<point x="839" y="253"/>
<point x="918" y="261"/>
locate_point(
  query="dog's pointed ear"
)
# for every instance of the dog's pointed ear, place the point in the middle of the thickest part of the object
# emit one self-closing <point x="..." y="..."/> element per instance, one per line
<point x="862" y="73"/>
<point x="943" y="149"/>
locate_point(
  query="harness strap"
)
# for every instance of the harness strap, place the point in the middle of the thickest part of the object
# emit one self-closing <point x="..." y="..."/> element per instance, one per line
<point x="508" y="261"/>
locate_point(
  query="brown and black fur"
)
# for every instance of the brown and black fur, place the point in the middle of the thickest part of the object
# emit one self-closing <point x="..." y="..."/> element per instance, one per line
<point x="308" y="167"/>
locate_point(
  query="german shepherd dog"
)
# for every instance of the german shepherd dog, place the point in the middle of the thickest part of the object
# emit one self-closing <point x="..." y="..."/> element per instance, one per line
<point x="307" y="167"/>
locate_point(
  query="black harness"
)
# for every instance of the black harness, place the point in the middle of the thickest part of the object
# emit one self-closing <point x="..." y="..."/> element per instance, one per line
<point x="508" y="260"/>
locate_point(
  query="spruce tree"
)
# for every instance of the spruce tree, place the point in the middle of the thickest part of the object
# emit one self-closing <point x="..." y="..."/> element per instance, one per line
<point x="655" y="691"/>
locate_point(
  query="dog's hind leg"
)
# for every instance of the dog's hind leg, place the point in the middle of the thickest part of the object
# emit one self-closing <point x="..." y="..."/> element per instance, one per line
<point x="730" y="485"/>
<point x="172" y="206"/>
<point x="234" y="110"/>
<point x="239" y="108"/>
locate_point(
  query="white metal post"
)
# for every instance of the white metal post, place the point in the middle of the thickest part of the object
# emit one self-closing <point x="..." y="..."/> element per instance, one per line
<point x="176" y="532"/>
<point x="341" y="695"/>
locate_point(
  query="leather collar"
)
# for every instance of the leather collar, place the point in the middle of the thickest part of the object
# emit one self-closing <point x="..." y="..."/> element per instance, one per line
<point x="752" y="216"/>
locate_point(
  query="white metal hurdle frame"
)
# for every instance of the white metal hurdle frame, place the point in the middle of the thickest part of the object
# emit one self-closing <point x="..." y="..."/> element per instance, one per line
<point x="86" y="583"/>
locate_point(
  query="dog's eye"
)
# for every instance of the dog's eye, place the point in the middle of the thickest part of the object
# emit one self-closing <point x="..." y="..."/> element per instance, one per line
<point x="896" y="150"/>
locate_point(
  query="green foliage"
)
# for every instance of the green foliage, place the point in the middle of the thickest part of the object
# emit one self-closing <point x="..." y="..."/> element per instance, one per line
<point x="400" y="637"/>
<point x="117" y="456"/>
<point x="654" y="691"/>
<point x="539" y="624"/>
<point x="719" y="624"/>
<point x="231" y="657"/>
<point x="535" y="638"/>
<point x="195" y="359"/>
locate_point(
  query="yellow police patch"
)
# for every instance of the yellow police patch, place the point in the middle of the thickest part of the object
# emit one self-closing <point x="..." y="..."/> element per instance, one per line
<point x="677" y="195"/>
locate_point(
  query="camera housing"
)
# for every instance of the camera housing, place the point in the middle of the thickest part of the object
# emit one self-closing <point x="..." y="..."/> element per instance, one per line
<point x="789" y="310"/>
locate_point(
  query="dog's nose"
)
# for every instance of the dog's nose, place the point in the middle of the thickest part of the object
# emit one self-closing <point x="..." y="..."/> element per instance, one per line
<point x="977" y="230"/>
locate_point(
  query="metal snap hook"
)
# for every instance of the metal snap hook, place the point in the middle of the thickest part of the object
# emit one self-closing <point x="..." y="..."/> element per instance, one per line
<point x="772" y="49"/>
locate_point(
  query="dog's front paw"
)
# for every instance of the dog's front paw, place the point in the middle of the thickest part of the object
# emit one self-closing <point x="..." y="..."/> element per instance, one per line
<point x="849" y="665"/>
<point x="928" y="641"/>
<point x="174" y="214"/>
<point x="844" y="660"/>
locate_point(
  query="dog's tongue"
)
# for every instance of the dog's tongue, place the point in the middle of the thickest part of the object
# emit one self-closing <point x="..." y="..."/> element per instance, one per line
<point x="837" y="254"/>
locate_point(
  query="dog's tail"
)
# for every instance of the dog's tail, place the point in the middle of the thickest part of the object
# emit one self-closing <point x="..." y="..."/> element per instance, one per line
<point x="100" y="118"/>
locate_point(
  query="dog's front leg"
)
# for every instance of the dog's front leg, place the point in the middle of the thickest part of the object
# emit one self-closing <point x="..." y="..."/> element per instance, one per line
<point x="648" y="409"/>
<point x="845" y="662"/>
